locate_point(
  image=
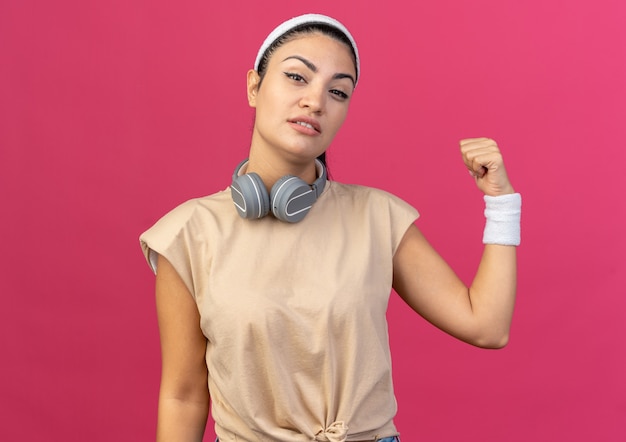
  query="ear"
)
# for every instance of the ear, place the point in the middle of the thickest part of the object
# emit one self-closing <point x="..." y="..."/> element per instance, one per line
<point x="253" y="86"/>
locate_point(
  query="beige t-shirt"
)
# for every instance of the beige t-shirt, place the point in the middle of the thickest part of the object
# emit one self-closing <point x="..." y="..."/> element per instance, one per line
<point x="294" y="314"/>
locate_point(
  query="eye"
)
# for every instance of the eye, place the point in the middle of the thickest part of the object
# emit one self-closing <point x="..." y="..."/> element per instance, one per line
<point x="339" y="94"/>
<point x="294" y="77"/>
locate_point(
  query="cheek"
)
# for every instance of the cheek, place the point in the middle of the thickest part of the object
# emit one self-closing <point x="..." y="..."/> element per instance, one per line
<point x="339" y="116"/>
<point x="272" y="103"/>
<point x="264" y="110"/>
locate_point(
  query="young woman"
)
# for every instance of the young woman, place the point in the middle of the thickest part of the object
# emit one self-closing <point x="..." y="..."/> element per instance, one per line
<point x="271" y="296"/>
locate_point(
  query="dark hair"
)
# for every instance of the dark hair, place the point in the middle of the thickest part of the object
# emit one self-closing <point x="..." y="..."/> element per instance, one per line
<point x="298" y="31"/>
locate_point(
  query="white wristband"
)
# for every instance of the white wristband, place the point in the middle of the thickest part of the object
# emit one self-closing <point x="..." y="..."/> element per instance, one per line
<point x="503" y="215"/>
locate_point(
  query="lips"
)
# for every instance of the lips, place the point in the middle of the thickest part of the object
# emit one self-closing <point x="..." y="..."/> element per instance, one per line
<point x="309" y="123"/>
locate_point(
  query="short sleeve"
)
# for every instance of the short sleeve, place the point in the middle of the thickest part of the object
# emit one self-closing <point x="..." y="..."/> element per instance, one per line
<point x="402" y="215"/>
<point x="170" y="237"/>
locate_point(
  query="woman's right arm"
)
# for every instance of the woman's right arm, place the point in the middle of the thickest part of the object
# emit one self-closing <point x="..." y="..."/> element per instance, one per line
<point x="183" y="395"/>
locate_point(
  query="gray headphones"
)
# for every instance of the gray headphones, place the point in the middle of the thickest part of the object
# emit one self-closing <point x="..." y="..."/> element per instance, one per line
<point x="290" y="198"/>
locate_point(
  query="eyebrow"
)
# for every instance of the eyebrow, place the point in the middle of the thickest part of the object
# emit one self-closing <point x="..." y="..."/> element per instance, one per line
<point x="313" y="68"/>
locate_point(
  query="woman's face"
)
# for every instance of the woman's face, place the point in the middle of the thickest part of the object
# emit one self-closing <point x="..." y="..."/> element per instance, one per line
<point x="303" y="99"/>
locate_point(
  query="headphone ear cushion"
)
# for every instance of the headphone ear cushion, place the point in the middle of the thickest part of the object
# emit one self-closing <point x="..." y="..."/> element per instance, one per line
<point x="250" y="196"/>
<point x="291" y="199"/>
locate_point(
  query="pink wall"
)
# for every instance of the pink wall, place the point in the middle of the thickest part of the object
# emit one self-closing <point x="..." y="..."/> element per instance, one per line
<point x="113" y="112"/>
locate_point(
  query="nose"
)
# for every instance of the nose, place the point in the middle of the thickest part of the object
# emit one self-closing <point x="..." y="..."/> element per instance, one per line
<point x="313" y="98"/>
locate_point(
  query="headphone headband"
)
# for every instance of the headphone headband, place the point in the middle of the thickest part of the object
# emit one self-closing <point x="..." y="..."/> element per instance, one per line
<point x="318" y="185"/>
<point x="290" y="199"/>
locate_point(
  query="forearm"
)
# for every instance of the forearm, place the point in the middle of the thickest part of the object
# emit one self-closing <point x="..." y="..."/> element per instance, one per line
<point x="492" y="295"/>
<point x="481" y="313"/>
<point x="181" y="420"/>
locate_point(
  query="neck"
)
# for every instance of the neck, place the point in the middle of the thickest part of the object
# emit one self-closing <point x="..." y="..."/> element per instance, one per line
<point x="272" y="169"/>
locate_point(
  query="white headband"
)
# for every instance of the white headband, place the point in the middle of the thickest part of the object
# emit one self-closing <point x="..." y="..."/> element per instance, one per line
<point x="307" y="19"/>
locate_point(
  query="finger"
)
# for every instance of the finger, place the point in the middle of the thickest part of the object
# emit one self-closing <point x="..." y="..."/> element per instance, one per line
<point x="473" y="140"/>
<point x="471" y="144"/>
<point x="485" y="163"/>
<point x="488" y="161"/>
<point x="479" y="174"/>
<point x="479" y="150"/>
<point x="478" y="159"/>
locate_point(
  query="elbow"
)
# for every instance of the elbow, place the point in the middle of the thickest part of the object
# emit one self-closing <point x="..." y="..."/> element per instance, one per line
<point x="491" y="335"/>
<point x="493" y="342"/>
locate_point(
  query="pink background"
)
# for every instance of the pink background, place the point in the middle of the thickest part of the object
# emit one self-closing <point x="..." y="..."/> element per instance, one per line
<point x="113" y="112"/>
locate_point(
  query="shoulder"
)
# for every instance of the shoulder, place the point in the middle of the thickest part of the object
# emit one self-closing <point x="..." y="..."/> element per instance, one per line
<point x="370" y="196"/>
<point x="186" y="221"/>
<point x="173" y="235"/>
<point x="382" y="214"/>
<point x="193" y="210"/>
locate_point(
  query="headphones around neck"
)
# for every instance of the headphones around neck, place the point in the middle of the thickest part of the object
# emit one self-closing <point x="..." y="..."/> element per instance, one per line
<point x="290" y="198"/>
